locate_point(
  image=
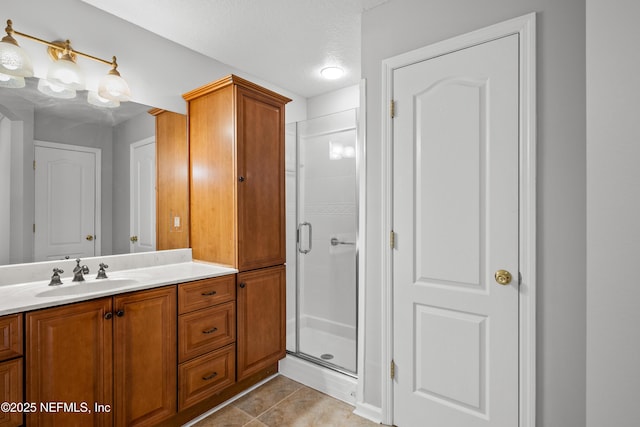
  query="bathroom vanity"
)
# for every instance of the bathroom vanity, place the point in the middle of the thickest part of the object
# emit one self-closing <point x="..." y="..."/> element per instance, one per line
<point x="149" y="345"/>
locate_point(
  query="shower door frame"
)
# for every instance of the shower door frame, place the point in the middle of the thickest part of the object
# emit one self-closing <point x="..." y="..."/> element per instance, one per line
<point x="359" y="198"/>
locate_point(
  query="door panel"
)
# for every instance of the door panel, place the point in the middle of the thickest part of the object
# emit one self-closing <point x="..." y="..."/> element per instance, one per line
<point x="143" y="197"/>
<point x="455" y="212"/>
<point x="65" y="203"/>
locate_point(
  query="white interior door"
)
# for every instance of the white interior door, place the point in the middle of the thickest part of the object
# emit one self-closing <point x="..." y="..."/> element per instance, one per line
<point x="143" y="196"/>
<point x="455" y="214"/>
<point x="66" y="193"/>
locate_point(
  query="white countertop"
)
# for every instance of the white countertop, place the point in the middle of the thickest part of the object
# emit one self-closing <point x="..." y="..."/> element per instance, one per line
<point x="19" y="297"/>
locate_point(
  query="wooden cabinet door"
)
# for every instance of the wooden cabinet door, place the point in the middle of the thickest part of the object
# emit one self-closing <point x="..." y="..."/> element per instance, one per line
<point x="69" y="359"/>
<point x="261" y="319"/>
<point x="11" y="391"/>
<point x="261" y="191"/>
<point x="145" y="356"/>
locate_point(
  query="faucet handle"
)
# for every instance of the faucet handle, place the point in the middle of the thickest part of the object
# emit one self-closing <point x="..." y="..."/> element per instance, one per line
<point x="101" y="273"/>
<point x="55" y="278"/>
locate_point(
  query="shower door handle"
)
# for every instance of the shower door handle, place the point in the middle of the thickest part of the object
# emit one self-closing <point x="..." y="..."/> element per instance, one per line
<point x="307" y="225"/>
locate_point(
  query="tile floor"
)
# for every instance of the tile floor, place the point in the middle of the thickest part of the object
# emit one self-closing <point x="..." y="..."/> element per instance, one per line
<point x="283" y="402"/>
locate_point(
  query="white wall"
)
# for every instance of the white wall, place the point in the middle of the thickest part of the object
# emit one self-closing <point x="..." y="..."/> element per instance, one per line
<point x="613" y="210"/>
<point x="5" y="190"/>
<point x="402" y="25"/>
<point x="21" y="200"/>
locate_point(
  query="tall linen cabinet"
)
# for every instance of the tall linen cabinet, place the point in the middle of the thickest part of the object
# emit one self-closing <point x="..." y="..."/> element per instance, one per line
<point x="237" y="206"/>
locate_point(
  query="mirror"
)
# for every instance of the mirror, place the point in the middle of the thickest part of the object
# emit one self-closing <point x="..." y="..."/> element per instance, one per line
<point x="29" y="119"/>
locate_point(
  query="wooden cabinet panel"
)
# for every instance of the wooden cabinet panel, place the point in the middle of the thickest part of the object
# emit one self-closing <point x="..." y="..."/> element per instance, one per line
<point x="205" y="330"/>
<point x="172" y="180"/>
<point x="236" y="145"/>
<point x="11" y="391"/>
<point x="145" y="356"/>
<point x="261" y="319"/>
<point x="213" y="177"/>
<point x="206" y="375"/>
<point x="69" y="359"/>
<point x="10" y="336"/>
<point x="261" y="196"/>
<point x="205" y="293"/>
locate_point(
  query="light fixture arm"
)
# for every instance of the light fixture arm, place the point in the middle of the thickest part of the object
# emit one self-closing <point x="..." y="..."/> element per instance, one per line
<point x="10" y="31"/>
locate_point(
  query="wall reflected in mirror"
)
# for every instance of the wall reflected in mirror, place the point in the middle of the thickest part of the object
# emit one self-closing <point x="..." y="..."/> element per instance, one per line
<point x="65" y="177"/>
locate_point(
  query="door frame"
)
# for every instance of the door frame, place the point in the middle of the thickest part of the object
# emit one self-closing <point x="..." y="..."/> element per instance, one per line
<point x="525" y="27"/>
<point x="98" y="186"/>
<point x="132" y="147"/>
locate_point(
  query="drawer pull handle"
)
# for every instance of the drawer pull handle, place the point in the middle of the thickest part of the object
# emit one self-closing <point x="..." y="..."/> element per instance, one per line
<point x="209" y="377"/>
<point x="208" y="294"/>
<point x="210" y="331"/>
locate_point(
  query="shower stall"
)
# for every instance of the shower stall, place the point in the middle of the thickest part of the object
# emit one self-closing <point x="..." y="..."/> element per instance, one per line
<point x="322" y="236"/>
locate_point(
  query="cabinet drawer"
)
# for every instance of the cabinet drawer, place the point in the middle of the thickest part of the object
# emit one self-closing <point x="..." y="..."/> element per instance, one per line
<point x="206" y="375"/>
<point x="10" y="336"/>
<point x="11" y="391"/>
<point x="205" y="330"/>
<point x="205" y="293"/>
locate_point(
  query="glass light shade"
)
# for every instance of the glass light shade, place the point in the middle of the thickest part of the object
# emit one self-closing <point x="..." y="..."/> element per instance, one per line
<point x="54" y="90"/>
<point x="14" y="61"/>
<point x="332" y="73"/>
<point x="66" y="73"/>
<point x="13" y="82"/>
<point x="94" y="99"/>
<point x="114" y="87"/>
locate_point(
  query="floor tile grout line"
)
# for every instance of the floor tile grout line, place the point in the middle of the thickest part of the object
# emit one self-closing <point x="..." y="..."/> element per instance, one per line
<point x="280" y="401"/>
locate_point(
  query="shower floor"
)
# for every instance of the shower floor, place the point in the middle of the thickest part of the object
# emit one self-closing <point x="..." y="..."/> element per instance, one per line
<point x="317" y="343"/>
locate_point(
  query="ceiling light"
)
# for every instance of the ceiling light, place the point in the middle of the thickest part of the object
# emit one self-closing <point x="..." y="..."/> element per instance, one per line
<point x="63" y="73"/>
<point x="332" y="73"/>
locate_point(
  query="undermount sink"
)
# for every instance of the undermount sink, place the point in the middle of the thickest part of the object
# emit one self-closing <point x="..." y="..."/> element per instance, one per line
<point x="88" y="286"/>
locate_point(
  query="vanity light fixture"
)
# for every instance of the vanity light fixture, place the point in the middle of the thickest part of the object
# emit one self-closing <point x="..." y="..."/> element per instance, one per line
<point x="63" y="76"/>
<point x="54" y="90"/>
<point x="13" y="82"/>
<point x="332" y="73"/>
<point x="94" y="99"/>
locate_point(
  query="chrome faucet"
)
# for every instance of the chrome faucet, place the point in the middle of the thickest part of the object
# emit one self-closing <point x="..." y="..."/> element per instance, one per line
<point x="79" y="271"/>
<point x="101" y="273"/>
<point x="55" y="279"/>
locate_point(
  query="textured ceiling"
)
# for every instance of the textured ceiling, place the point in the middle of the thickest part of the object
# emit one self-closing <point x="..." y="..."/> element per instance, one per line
<point x="285" y="42"/>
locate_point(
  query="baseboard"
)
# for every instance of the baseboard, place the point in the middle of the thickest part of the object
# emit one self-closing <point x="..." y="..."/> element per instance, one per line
<point x="340" y="386"/>
<point x="370" y="412"/>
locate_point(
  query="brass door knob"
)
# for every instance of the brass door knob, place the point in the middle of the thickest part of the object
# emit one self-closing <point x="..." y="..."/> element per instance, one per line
<point x="134" y="239"/>
<point x="89" y="237"/>
<point x="503" y="277"/>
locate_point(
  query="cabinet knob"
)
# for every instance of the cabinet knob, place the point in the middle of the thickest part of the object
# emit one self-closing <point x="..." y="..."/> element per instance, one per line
<point x="120" y="313"/>
<point x="108" y="315"/>
<point x="241" y="179"/>
<point x="242" y="285"/>
<point x="209" y="331"/>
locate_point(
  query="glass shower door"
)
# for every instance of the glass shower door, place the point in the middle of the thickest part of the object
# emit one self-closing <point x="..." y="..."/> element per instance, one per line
<point x="326" y="240"/>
